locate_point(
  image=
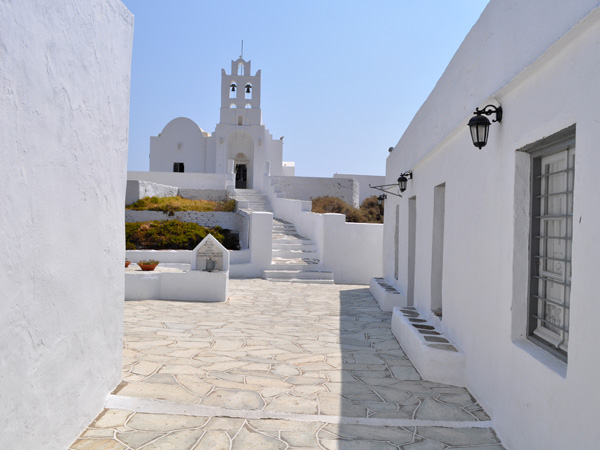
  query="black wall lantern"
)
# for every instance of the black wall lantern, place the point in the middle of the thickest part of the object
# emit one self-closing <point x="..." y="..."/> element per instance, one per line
<point x="387" y="188"/>
<point x="480" y="125"/>
<point x="403" y="179"/>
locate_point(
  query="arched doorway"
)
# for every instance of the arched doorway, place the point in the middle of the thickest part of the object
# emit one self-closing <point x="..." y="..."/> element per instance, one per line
<point x="241" y="171"/>
<point x="240" y="148"/>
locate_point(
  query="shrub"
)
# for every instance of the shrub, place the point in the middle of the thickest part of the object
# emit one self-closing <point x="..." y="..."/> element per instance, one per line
<point x="369" y="209"/>
<point x="169" y="205"/>
<point x="174" y="235"/>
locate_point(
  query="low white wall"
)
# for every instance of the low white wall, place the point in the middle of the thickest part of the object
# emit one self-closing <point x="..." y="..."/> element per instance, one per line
<point x="185" y="180"/>
<point x="215" y="195"/>
<point x="364" y="191"/>
<point x="306" y="188"/>
<point x="182" y="256"/>
<point x="137" y="189"/>
<point x="64" y="115"/>
<point x="260" y="243"/>
<point x="353" y="252"/>
<point x="191" y="286"/>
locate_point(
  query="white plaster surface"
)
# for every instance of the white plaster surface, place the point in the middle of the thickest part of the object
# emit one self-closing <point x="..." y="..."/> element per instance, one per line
<point x="64" y="106"/>
<point x="535" y="400"/>
<point x="386" y="298"/>
<point x="260" y="245"/>
<point x="307" y="188"/>
<point x="215" y="195"/>
<point x="181" y="256"/>
<point x="191" y="286"/>
<point x="440" y="366"/>
<point x="364" y="191"/>
<point x="137" y="189"/>
<point x="218" y="181"/>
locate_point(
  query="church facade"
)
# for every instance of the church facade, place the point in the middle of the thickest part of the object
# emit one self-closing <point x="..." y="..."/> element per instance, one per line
<point x="240" y="143"/>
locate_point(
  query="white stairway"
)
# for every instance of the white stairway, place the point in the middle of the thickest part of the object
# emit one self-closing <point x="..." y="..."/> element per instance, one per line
<point x="255" y="198"/>
<point x="295" y="257"/>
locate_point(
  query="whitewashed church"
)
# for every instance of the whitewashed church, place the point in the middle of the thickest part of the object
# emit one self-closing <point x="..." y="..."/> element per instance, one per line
<point x="240" y="143"/>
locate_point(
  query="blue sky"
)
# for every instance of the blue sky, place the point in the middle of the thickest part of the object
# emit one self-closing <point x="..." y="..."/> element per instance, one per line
<point x="340" y="80"/>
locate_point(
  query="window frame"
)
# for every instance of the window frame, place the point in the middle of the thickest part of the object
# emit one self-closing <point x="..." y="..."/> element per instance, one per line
<point x="544" y="337"/>
<point x="178" y="165"/>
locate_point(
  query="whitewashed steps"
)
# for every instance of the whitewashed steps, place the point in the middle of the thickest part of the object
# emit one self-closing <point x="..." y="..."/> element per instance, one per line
<point x="256" y="200"/>
<point x="295" y="258"/>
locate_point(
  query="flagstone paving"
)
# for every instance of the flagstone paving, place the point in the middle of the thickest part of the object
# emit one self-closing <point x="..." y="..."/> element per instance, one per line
<point x="278" y="366"/>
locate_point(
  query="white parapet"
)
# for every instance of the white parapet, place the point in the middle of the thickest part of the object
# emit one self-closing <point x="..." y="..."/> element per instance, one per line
<point x="191" y="286"/>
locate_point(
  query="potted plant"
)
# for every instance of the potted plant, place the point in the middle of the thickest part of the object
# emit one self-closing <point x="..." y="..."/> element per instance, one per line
<point x="148" y="264"/>
<point x="127" y="262"/>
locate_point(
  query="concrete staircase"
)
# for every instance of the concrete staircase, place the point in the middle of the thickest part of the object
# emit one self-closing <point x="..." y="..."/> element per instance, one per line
<point x="255" y="199"/>
<point x="295" y="257"/>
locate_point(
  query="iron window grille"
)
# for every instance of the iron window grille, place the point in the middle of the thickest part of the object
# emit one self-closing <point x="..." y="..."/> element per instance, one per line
<point x="553" y="169"/>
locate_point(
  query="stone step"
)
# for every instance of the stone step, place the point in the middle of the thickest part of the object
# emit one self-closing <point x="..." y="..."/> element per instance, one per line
<point x="299" y="280"/>
<point x="294" y="254"/>
<point x="296" y="266"/>
<point x="298" y="274"/>
<point x="282" y="240"/>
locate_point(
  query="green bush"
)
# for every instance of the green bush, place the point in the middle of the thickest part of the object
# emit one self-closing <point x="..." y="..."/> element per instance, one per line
<point x="369" y="209"/>
<point x="174" y="235"/>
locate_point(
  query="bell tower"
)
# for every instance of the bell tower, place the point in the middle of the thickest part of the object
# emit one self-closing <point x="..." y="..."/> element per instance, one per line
<point x="240" y="95"/>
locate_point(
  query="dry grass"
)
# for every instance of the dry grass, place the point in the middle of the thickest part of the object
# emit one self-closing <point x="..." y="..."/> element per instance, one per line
<point x="369" y="211"/>
<point x="169" y="205"/>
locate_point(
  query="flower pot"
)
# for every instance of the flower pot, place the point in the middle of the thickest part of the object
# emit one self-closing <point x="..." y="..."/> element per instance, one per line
<point x="127" y="263"/>
<point x="147" y="267"/>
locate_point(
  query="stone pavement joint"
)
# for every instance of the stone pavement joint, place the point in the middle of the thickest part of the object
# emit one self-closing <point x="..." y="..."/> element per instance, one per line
<point x="277" y="366"/>
<point x="150" y="406"/>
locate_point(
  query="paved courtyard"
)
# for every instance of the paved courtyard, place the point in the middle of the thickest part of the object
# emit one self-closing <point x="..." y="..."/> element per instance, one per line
<point x="277" y="366"/>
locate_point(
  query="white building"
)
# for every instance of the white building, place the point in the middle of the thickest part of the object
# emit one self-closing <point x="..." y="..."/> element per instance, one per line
<point x="64" y="110"/>
<point x="503" y="240"/>
<point x="240" y="143"/>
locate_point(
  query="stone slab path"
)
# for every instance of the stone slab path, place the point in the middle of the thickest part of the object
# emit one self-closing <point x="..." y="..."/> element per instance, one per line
<point x="277" y="366"/>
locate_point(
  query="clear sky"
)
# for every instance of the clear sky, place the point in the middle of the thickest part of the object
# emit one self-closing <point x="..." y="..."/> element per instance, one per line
<point x="341" y="80"/>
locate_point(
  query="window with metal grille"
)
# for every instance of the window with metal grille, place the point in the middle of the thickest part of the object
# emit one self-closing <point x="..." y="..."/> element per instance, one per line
<point x="178" y="167"/>
<point x="551" y="242"/>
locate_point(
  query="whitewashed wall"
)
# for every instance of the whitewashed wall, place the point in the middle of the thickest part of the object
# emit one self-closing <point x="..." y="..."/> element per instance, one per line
<point x="352" y="251"/>
<point x="137" y="189"/>
<point x="535" y="400"/>
<point x="64" y="106"/>
<point x="306" y="188"/>
<point x="364" y="181"/>
<point x="186" y="180"/>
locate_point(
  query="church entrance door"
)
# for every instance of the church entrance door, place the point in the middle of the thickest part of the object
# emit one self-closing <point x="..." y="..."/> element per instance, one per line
<point x="241" y="176"/>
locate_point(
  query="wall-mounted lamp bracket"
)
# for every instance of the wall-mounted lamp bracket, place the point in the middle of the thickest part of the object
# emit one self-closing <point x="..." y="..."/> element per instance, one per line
<point x="401" y="184"/>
